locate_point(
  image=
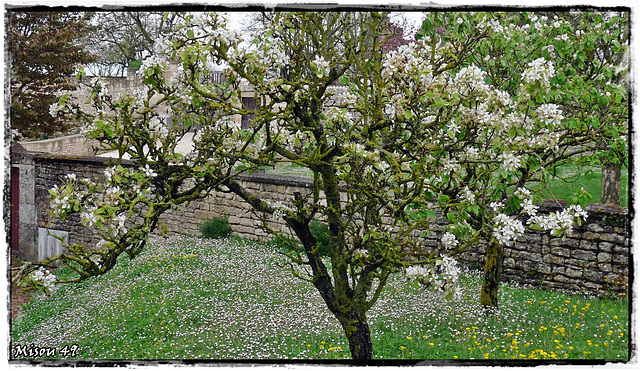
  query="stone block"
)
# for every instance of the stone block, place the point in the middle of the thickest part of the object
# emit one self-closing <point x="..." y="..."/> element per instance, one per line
<point x="567" y="242"/>
<point x="573" y="273"/>
<point x="604" y="267"/>
<point x="615" y="238"/>
<point x="604" y="257"/>
<point x="561" y="251"/>
<point x="620" y="269"/>
<point x="621" y="249"/>
<point x="509" y="262"/>
<point x="592" y="286"/>
<point x="595" y="228"/>
<point x="591" y="236"/>
<point x="592" y="275"/>
<point x="621" y="259"/>
<point x="588" y="245"/>
<point x="583" y="255"/>
<point x="575" y="262"/>
<point x="605" y="246"/>
<point x="553" y="259"/>
<point x="561" y="278"/>
<point x="558" y="270"/>
<point x="575" y="234"/>
<point x="544" y="268"/>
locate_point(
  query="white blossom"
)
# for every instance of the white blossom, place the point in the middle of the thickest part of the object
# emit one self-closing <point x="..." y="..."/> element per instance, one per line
<point x="449" y="240"/>
<point x="506" y="229"/>
<point x="45" y="277"/>
<point x="322" y="66"/>
<point x="148" y="172"/>
<point x="510" y="162"/>
<point x="539" y="71"/>
<point x="54" y="109"/>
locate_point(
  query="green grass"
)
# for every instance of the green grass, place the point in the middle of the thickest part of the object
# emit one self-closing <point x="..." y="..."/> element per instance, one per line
<point x="572" y="177"/>
<point x="189" y="298"/>
<point x="569" y="180"/>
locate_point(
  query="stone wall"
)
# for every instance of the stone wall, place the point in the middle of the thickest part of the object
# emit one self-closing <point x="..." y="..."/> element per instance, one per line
<point x="70" y="145"/>
<point x="49" y="171"/>
<point x="593" y="257"/>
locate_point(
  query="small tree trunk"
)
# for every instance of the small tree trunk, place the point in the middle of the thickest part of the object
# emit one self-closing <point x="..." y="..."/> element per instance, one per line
<point x="359" y="336"/>
<point x="492" y="272"/>
<point x="611" y="174"/>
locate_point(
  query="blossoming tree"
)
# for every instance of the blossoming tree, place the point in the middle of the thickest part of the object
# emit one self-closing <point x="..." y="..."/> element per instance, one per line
<point x="406" y="131"/>
<point x="554" y="87"/>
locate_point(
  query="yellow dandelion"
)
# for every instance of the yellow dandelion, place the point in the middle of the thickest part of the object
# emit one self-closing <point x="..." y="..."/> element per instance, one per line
<point x="409" y="338"/>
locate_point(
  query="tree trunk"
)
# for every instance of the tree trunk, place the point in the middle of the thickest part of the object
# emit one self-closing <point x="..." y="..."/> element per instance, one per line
<point x="358" y="334"/>
<point x="492" y="272"/>
<point x="611" y="174"/>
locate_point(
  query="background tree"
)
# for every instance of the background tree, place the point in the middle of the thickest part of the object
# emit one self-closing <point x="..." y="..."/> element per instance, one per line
<point x="45" y="53"/>
<point x="124" y="39"/>
<point x="583" y="91"/>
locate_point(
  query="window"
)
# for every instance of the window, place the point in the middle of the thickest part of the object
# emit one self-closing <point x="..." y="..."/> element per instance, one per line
<point x="250" y="104"/>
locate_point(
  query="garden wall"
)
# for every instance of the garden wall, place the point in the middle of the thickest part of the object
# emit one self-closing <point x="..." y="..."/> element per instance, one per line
<point x="70" y="145"/>
<point x="593" y="257"/>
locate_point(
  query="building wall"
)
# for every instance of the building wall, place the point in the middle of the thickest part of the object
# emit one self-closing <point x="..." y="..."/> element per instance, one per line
<point x="594" y="257"/>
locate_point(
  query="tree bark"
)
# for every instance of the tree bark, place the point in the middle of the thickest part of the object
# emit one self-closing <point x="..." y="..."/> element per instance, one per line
<point x="358" y="334"/>
<point x="492" y="272"/>
<point x="610" y="193"/>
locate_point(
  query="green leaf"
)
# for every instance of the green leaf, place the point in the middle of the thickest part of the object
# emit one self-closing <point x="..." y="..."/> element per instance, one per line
<point x="604" y="101"/>
<point x="108" y="131"/>
<point x="451" y="216"/>
<point x="190" y="34"/>
<point x="408" y="114"/>
<point x="424" y="214"/>
<point x="344" y="80"/>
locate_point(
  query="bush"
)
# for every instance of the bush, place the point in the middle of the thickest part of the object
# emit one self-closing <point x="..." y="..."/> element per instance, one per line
<point x="215" y="228"/>
<point x="319" y="230"/>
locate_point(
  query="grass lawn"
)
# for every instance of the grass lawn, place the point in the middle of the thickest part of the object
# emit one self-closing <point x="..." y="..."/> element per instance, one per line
<point x="570" y="179"/>
<point x="188" y="298"/>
